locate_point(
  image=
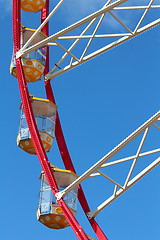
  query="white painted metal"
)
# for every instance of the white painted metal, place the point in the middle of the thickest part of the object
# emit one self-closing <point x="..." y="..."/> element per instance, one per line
<point x="116" y="43"/>
<point x="58" y="44"/>
<point x="136" y="7"/>
<point x="125" y="160"/>
<point x="104" y="175"/>
<point x="156" y="126"/>
<point x="70" y="28"/>
<point x="137" y="155"/>
<point x="120" y="22"/>
<point x="89" y="43"/>
<point x="102" y="50"/>
<point x="19" y="54"/>
<point x="109" y="8"/>
<point x="143" y="16"/>
<point x="90" y="36"/>
<point x="102" y="163"/>
<point x="116" y="193"/>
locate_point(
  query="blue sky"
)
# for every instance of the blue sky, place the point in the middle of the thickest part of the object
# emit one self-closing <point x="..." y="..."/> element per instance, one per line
<point x="100" y="103"/>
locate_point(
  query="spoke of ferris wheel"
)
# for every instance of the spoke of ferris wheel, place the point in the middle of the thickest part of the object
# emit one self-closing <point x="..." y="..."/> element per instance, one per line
<point x="93" y="36"/>
<point x="136" y="158"/>
<point x="70" y="28"/>
<point x="120" y="22"/>
<point x="143" y="16"/>
<point x="96" y="29"/>
<point x="67" y="51"/>
<point x="156" y="126"/>
<point x="125" y="160"/>
<point x="136" y="7"/>
<point x="73" y="45"/>
<point x="104" y="49"/>
<point x="116" y="193"/>
<point x="89" y="36"/>
<point x="111" y="180"/>
<point x="41" y="26"/>
<point x="128" y="183"/>
<point x="112" y="153"/>
<point x="147" y="7"/>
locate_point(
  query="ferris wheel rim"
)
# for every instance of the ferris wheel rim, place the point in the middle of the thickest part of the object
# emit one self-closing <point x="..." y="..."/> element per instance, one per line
<point x="34" y="131"/>
<point x="18" y="62"/>
<point x="32" y="124"/>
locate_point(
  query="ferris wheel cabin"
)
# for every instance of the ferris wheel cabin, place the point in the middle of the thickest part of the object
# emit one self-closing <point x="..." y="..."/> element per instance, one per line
<point x="34" y="62"/>
<point x="49" y="213"/>
<point x="32" y="5"/>
<point x="45" y="116"/>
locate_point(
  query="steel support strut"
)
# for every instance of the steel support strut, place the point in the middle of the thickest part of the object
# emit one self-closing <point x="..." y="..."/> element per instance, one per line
<point x="33" y="127"/>
<point x="60" y="137"/>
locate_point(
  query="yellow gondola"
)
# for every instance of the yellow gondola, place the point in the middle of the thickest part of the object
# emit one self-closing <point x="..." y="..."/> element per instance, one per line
<point x="49" y="213"/>
<point x="45" y="116"/>
<point x="34" y="62"/>
<point x="32" y="5"/>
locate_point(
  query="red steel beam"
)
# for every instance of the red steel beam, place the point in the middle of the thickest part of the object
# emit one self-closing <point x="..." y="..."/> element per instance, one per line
<point x="33" y="127"/>
<point x="60" y="137"/>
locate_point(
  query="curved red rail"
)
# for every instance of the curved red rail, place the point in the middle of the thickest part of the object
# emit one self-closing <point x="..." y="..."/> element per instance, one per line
<point x="32" y="125"/>
<point x="60" y="137"/>
<point x="59" y="134"/>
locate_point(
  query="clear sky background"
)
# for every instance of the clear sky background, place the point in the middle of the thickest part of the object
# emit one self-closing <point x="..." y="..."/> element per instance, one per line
<point x="100" y="103"/>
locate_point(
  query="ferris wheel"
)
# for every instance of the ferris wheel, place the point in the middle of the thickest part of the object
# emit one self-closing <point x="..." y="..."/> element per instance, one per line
<point x="40" y="123"/>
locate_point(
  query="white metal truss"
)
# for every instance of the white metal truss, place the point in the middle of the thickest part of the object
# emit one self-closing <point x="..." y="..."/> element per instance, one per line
<point x="93" y="22"/>
<point x="106" y="161"/>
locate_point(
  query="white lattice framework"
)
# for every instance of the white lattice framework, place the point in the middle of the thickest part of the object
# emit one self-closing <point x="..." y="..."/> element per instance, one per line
<point x="96" y="169"/>
<point x="114" y="9"/>
<point x="148" y="12"/>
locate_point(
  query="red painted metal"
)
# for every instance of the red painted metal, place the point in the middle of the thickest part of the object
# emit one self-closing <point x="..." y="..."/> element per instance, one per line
<point x="33" y="127"/>
<point x="60" y="137"/>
